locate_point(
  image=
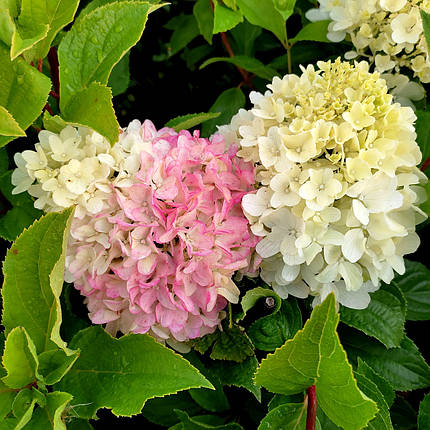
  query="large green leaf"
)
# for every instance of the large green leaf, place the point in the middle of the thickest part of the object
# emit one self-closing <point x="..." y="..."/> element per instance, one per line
<point x="202" y="11"/>
<point x="227" y="103"/>
<point x="97" y="42"/>
<point x="315" y="357"/>
<point x="403" y="367"/>
<point x="8" y="125"/>
<point x="21" y="215"/>
<point x="19" y="359"/>
<point x="415" y="285"/>
<point x="93" y="108"/>
<point x="33" y="273"/>
<point x="137" y="366"/>
<point x="225" y="18"/>
<point x="264" y="14"/>
<point x="383" y="319"/>
<point x="55" y="14"/>
<point x="424" y="414"/>
<point x="248" y="63"/>
<point x="23" y="91"/>
<point x="186" y="122"/>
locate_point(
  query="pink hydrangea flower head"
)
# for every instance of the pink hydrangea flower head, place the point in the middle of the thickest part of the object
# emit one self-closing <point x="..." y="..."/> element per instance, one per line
<point x="161" y="259"/>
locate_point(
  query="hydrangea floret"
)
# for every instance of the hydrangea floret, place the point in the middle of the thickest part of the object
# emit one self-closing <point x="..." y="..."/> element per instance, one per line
<point x="338" y="187"/>
<point x="158" y="230"/>
<point x="387" y="32"/>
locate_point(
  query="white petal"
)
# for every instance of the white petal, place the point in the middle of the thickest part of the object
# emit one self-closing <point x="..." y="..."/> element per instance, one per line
<point x="353" y="245"/>
<point x="360" y="211"/>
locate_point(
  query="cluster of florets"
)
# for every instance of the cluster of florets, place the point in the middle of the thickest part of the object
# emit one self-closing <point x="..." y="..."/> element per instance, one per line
<point x="336" y="204"/>
<point x="388" y="32"/>
<point x="158" y="229"/>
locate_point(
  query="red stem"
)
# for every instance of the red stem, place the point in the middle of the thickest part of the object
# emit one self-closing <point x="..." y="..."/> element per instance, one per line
<point x="39" y="65"/>
<point x="312" y="408"/>
<point x="48" y="108"/>
<point x="227" y="46"/>
<point x="425" y="164"/>
<point x="54" y="67"/>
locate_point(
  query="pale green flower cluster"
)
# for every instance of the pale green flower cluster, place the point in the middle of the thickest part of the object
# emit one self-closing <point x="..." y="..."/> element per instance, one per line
<point x="388" y="32"/>
<point x="338" y="192"/>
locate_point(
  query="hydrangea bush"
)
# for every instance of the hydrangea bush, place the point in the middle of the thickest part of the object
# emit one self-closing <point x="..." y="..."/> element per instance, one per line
<point x="239" y="268"/>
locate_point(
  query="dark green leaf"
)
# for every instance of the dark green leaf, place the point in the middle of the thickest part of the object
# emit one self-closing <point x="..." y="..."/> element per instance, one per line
<point x="403" y="367"/>
<point x="211" y="400"/>
<point x="403" y="415"/>
<point x="195" y="423"/>
<point x="227" y="103"/>
<point x="384" y="386"/>
<point x="424" y="414"/>
<point x="186" y="122"/>
<point x="54" y="364"/>
<point x="250" y="64"/>
<point x="315" y="31"/>
<point x="415" y="285"/>
<point x="119" y="79"/>
<point x="205" y="18"/>
<point x="243" y="38"/>
<point x="426" y="25"/>
<point x="106" y="362"/>
<point x="185" y="31"/>
<point x="232" y="344"/>
<point x="422" y="128"/>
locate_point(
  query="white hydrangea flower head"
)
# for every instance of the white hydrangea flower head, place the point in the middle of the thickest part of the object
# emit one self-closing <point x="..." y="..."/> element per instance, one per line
<point x="338" y="187"/>
<point x="389" y="33"/>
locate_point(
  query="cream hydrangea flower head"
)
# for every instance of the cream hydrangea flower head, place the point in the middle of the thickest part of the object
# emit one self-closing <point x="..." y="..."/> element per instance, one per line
<point x="387" y="32"/>
<point x="338" y="195"/>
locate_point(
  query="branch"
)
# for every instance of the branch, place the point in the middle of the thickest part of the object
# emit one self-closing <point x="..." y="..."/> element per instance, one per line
<point x="312" y="408"/>
<point x="425" y="165"/>
<point x="54" y="66"/>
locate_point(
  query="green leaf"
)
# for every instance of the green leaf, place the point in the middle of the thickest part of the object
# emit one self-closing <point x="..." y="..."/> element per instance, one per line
<point x="33" y="279"/>
<point x="403" y="367"/>
<point x="7" y="396"/>
<point x="186" y="122"/>
<point x="195" y="424"/>
<point x="424" y="414"/>
<point x="225" y="18"/>
<point x="382" y="420"/>
<point x="185" y="30"/>
<point x="51" y="415"/>
<point x="8" y="125"/>
<point x="384" y="386"/>
<point x="286" y="416"/>
<point x="54" y="14"/>
<point x="106" y="362"/>
<point x="23" y="407"/>
<point x="426" y="25"/>
<point x="20" y="359"/>
<point x="97" y="42"/>
<point x="422" y="128"/>
<point x="314" y="31"/>
<point x="403" y="415"/>
<point x="78" y="424"/>
<point x="211" y="400"/>
<point x="285" y="7"/>
<point x="237" y="374"/>
<point x="22" y="214"/>
<point x="415" y="285"/>
<point x="243" y="38"/>
<point x="93" y="108"/>
<point x="251" y="64"/>
<point x="271" y="331"/>
<point x="251" y="298"/>
<point x="119" y="79"/>
<point x="202" y="11"/>
<point x="4" y="160"/>
<point x="383" y="319"/>
<point x="54" y="364"/>
<point x="227" y="103"/>
<point x="23" y="91"/>
<point x="264" y="14"/>
<point x="159" y="410"/>
<point x="232" y="344"/>
<point x="315" y="357"/>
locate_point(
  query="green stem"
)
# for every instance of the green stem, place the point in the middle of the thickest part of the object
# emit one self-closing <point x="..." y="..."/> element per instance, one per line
<point x="230" y="316"/>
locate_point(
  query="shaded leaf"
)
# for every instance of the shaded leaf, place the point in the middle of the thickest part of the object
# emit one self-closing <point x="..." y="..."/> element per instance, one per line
<point x="54" y="364"/>
<point x="186" y="122"/>
<point x="424" y="414"/>
<point x="202" y="11"/>
<point x="185" y="30"/>
<point x="422" y="128"/>
<point x="195" y="423"/>
<point x="119" y="79"/>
